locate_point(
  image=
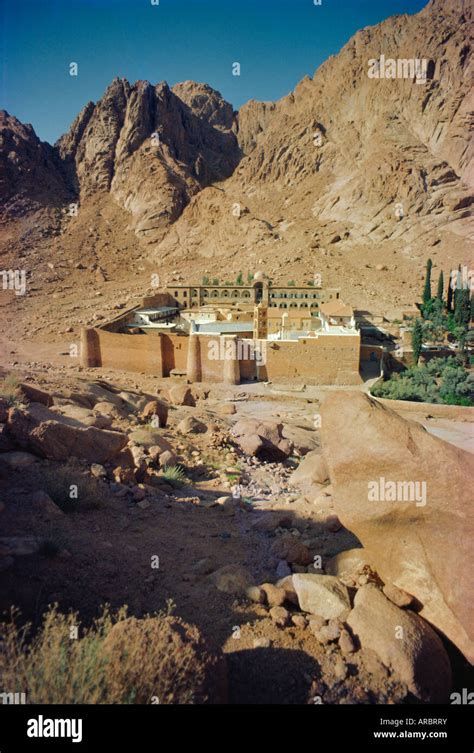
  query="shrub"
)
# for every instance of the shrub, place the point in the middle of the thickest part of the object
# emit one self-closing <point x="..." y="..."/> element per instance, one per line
<point x="441" y="380"/>
<point x="118" y="659"/>
<point x="8" y="387"/>
<point x="174" y="475"/>
<point x="58" y="480"/>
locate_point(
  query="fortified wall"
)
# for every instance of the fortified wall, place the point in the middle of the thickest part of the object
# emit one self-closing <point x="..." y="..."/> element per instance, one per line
<point x="315" y="360"/>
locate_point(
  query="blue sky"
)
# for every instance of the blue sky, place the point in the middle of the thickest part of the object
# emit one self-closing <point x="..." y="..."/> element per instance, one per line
<point x="276" y="42"/>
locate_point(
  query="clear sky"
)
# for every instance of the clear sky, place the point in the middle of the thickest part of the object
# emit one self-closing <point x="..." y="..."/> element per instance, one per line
<point x="276" y="42"/>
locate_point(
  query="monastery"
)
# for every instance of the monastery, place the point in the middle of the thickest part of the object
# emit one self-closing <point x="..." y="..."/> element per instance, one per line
<point x="234" y="334"/>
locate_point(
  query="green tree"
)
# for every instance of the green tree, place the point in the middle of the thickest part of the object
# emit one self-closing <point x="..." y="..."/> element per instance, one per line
<point x="440" y="292"/>
<point x="449" y="297"/>
<point x="427" y="288"/>
<point x="205" y="280"/>
<point x="240" y="279"/>
<point x="249" y="277"/>
<point x="462" y="310"/>
<point x="417" y="339"/>
<point x="215" y="281"/>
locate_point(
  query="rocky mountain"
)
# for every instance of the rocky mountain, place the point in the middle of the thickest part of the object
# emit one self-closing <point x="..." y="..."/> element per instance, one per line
<point x="350" y="175"/>
<point x="352" y="159"/>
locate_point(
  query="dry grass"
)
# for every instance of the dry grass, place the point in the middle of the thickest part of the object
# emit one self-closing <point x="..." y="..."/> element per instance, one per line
<point x="58" y="480"/>
<point x="117" y="660"/>
<point x="8" y="387"/>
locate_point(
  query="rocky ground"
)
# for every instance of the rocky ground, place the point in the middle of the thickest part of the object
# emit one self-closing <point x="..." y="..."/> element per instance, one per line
<point x="254" y="512"/>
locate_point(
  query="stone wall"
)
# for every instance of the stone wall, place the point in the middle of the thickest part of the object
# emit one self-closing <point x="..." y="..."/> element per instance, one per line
<point x="323" y="360"/>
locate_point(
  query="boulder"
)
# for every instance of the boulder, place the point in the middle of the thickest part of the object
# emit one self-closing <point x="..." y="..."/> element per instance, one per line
<point x="322" y="595"/>
<point x="150" y="438"/>
<point x="106" y="408"/>
<point x="350" y="563"/>
<point x="292" y="550"/>
<point x="34" y="394"/>
<point x="45" y="506"/>
<point x="262" y="439"/>
<point x="232" y="579"/>
<point x="286" y="584"/>
<point x="57" y="441"/>
<point x="167" y="459"/>
<point x="275" y="596"/>
<point x="82" y="416"/>
<point x="16" y="459"/>
<point x="181" y="395"/>
<point x="311" y="471"/>
<point x="404" y="642"/>
<point x="227" y="409"/>
<point x="423" y="546"/>
<point x="280" y="616"/>
<point x="191" y="425"/>
<point x="156" y="408"/>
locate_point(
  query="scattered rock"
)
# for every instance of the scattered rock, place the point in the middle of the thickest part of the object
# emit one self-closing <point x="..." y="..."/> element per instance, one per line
<point x="290" y="549"/>
<point x="262" y="439"/>
<point x="280" y="616"/>
<point x="191" y="425"/>
<point x="398" y="596"/>
<point x="98" y="471"/>
<point x="262" y="643"/>
<point x="255" y="594"/>
<point x="158" y="409"/>
<point x="322" y="595"/>
<point x="232" y="579"/>
<point x="299" y="621"/>
<point x="346" y="643"/>
<point x="181" y="395"/>
<point x="312" y="470"/>
<point x="275" y="596"/>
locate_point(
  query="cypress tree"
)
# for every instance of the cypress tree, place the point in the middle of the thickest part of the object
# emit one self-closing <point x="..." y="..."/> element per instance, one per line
<point x="449" y="297"/>
<point x="440" y="292"/>
<point x="417" y="340"/>
<point x="427" y="288"/>
<point x="462" y="311"/>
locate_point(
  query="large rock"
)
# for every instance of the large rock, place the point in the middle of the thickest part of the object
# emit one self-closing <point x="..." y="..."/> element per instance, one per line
<point x="157" y="410"/>
<point x="232" y="579"/>
<point x="262" y="439"/>
<point x="292" y="550"/>
<point x="16" y="460"/>
<point x="180" y="394"/>
<point x="57" y="441"/>
<point x="404" y="642"/>
<point x="312" y="470"/>
<point x="34" y="394"/>
<point x="191" y="425"/>
<point x="323" y="595"/>
<point x="425" y="549"/>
